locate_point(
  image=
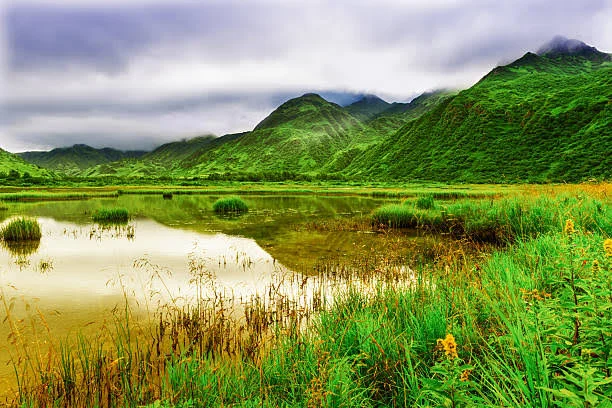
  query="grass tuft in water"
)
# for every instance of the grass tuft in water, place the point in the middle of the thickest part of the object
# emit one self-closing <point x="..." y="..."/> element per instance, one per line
<point x="111" y="216"/>
<point x="230" y="205"/>
<point x="21" y="229"/>
<point x="425" y="202"/>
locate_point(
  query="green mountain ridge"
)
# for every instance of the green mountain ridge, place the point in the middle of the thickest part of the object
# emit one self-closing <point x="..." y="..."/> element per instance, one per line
<point x="367" y="107"/>
<point x="71" y="160"/>
<point x="538" y="119"/>
<point x="13" y="166"/>
<point x="544" y="117"/>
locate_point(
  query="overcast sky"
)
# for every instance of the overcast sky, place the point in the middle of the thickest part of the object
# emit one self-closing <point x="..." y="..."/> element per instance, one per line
<point x="133" y="74"/>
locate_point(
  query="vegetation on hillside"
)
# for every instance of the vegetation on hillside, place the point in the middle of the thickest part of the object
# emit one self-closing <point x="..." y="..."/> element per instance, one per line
<point x="539" y="119"/>
<point x="71" y="160"/>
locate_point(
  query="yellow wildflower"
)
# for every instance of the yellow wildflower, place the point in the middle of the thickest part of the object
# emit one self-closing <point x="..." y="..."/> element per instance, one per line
<point x="608" y="247"/>
<point x="465" y="375"/>
<point x="595" y="266"/>
<point x="569" y="227"/>
<point x="449" y="346"/>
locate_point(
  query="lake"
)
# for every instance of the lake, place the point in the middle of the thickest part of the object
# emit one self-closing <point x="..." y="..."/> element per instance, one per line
<point x="80" y="272"/>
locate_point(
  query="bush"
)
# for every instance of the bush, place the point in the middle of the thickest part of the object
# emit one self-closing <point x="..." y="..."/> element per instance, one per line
<point x="230" y="205"/>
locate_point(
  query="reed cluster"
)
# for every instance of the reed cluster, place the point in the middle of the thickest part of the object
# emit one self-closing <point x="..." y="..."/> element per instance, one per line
<point x="230" y="205"/>
<point x="110" y="216"/>
<point x="21" y="229"/>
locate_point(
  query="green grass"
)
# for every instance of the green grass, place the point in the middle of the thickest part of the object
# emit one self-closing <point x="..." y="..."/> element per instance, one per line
<point x="111" y="215"/>
<point x="26" y="196"/>
<point x="230" y="205"/>
<point x="21" y="229"/>
<point x="425" y="202"/>
<point x="501" y="220"/>
<point x="531" y="324"/>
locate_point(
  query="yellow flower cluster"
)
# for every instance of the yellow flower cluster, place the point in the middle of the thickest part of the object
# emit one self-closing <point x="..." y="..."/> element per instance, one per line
<point x="534" y="294"/>
<point x="569" y="227"/>
<point x="608" y="247"/>
<point x="465" y="375"/>
<point x="449" y="346"/>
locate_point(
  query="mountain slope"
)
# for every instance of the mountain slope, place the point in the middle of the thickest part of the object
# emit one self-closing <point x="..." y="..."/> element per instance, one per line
<point x="10" y="162"/>
<point x="541" y="118"/>
<point x="303" y="135"/>
<point x="367" y="107"/>
<point x="398" y="114"/>
<point x="71" y="160"/>
<point x="165" y="161"/>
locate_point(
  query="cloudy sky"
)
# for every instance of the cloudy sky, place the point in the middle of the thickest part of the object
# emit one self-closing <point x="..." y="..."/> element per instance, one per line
<point x="133" y="74"/>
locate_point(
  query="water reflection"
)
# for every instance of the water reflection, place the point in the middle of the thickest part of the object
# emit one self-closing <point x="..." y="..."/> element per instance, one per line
<point x="21" y="248"/>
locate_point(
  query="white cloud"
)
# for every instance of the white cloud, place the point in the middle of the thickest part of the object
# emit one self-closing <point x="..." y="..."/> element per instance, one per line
<point x="262" y="47"/>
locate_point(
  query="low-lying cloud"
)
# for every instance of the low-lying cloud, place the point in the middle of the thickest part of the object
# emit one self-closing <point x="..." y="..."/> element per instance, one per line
<point x="136" y="73"/>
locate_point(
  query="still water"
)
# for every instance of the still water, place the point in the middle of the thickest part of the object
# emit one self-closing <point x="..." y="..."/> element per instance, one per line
<point x="80" y="271"/>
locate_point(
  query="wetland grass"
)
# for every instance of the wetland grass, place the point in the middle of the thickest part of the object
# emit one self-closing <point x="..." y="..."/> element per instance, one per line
<point x="499" y="221"/>
<point x="230" y="205"/>
<point x="21" y="229"/>
<point x="521" y="325"/>
<point x="111" y="216"/>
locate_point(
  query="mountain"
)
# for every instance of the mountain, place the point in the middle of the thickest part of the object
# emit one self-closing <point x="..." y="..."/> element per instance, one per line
<point x="304" y="135"/>
<point x="72" y="160"/>
<point x="166" y="160"/>
<point x="367" y="107"/>
<point x="541" y="118"/>
<point x="398" y="114"/>
<point x="14" y="166"/>
<point x="561" y="46"/>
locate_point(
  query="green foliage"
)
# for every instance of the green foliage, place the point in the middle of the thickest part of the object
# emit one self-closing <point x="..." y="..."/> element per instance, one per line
<point x="111" y="216"/>
<point x="21" y="229"/>
<point x="230" y="205"/>
<point x="499" y="220"/>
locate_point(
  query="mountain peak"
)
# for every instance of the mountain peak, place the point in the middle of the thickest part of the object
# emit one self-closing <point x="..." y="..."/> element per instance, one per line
<point x="560" y="45"/>
<point x="367" y="107"/>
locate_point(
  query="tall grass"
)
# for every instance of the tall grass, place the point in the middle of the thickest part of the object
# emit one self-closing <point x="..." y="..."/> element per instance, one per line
<point x="111" y="215"/>
<point x="230" y="205"/>
<point x="31" y="196"/>
<point x="499" y="220"/>
<point x="21" y="229"/>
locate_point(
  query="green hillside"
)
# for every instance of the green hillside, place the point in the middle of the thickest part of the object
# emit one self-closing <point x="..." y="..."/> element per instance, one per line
<point x="398" y="114"/>
<point x="71" y="160"/>
<point x="13" y="166"/>
<point x="541" y="118"/>
<point x="168" y="160"/>
<point x="303" y="135"/>
<point x="367" y="107"/>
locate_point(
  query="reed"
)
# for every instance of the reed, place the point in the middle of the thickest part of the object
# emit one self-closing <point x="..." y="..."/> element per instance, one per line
<point x="21" y="229"/>
<point x="228" y="205"/>
<point x="111" y="216"/>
